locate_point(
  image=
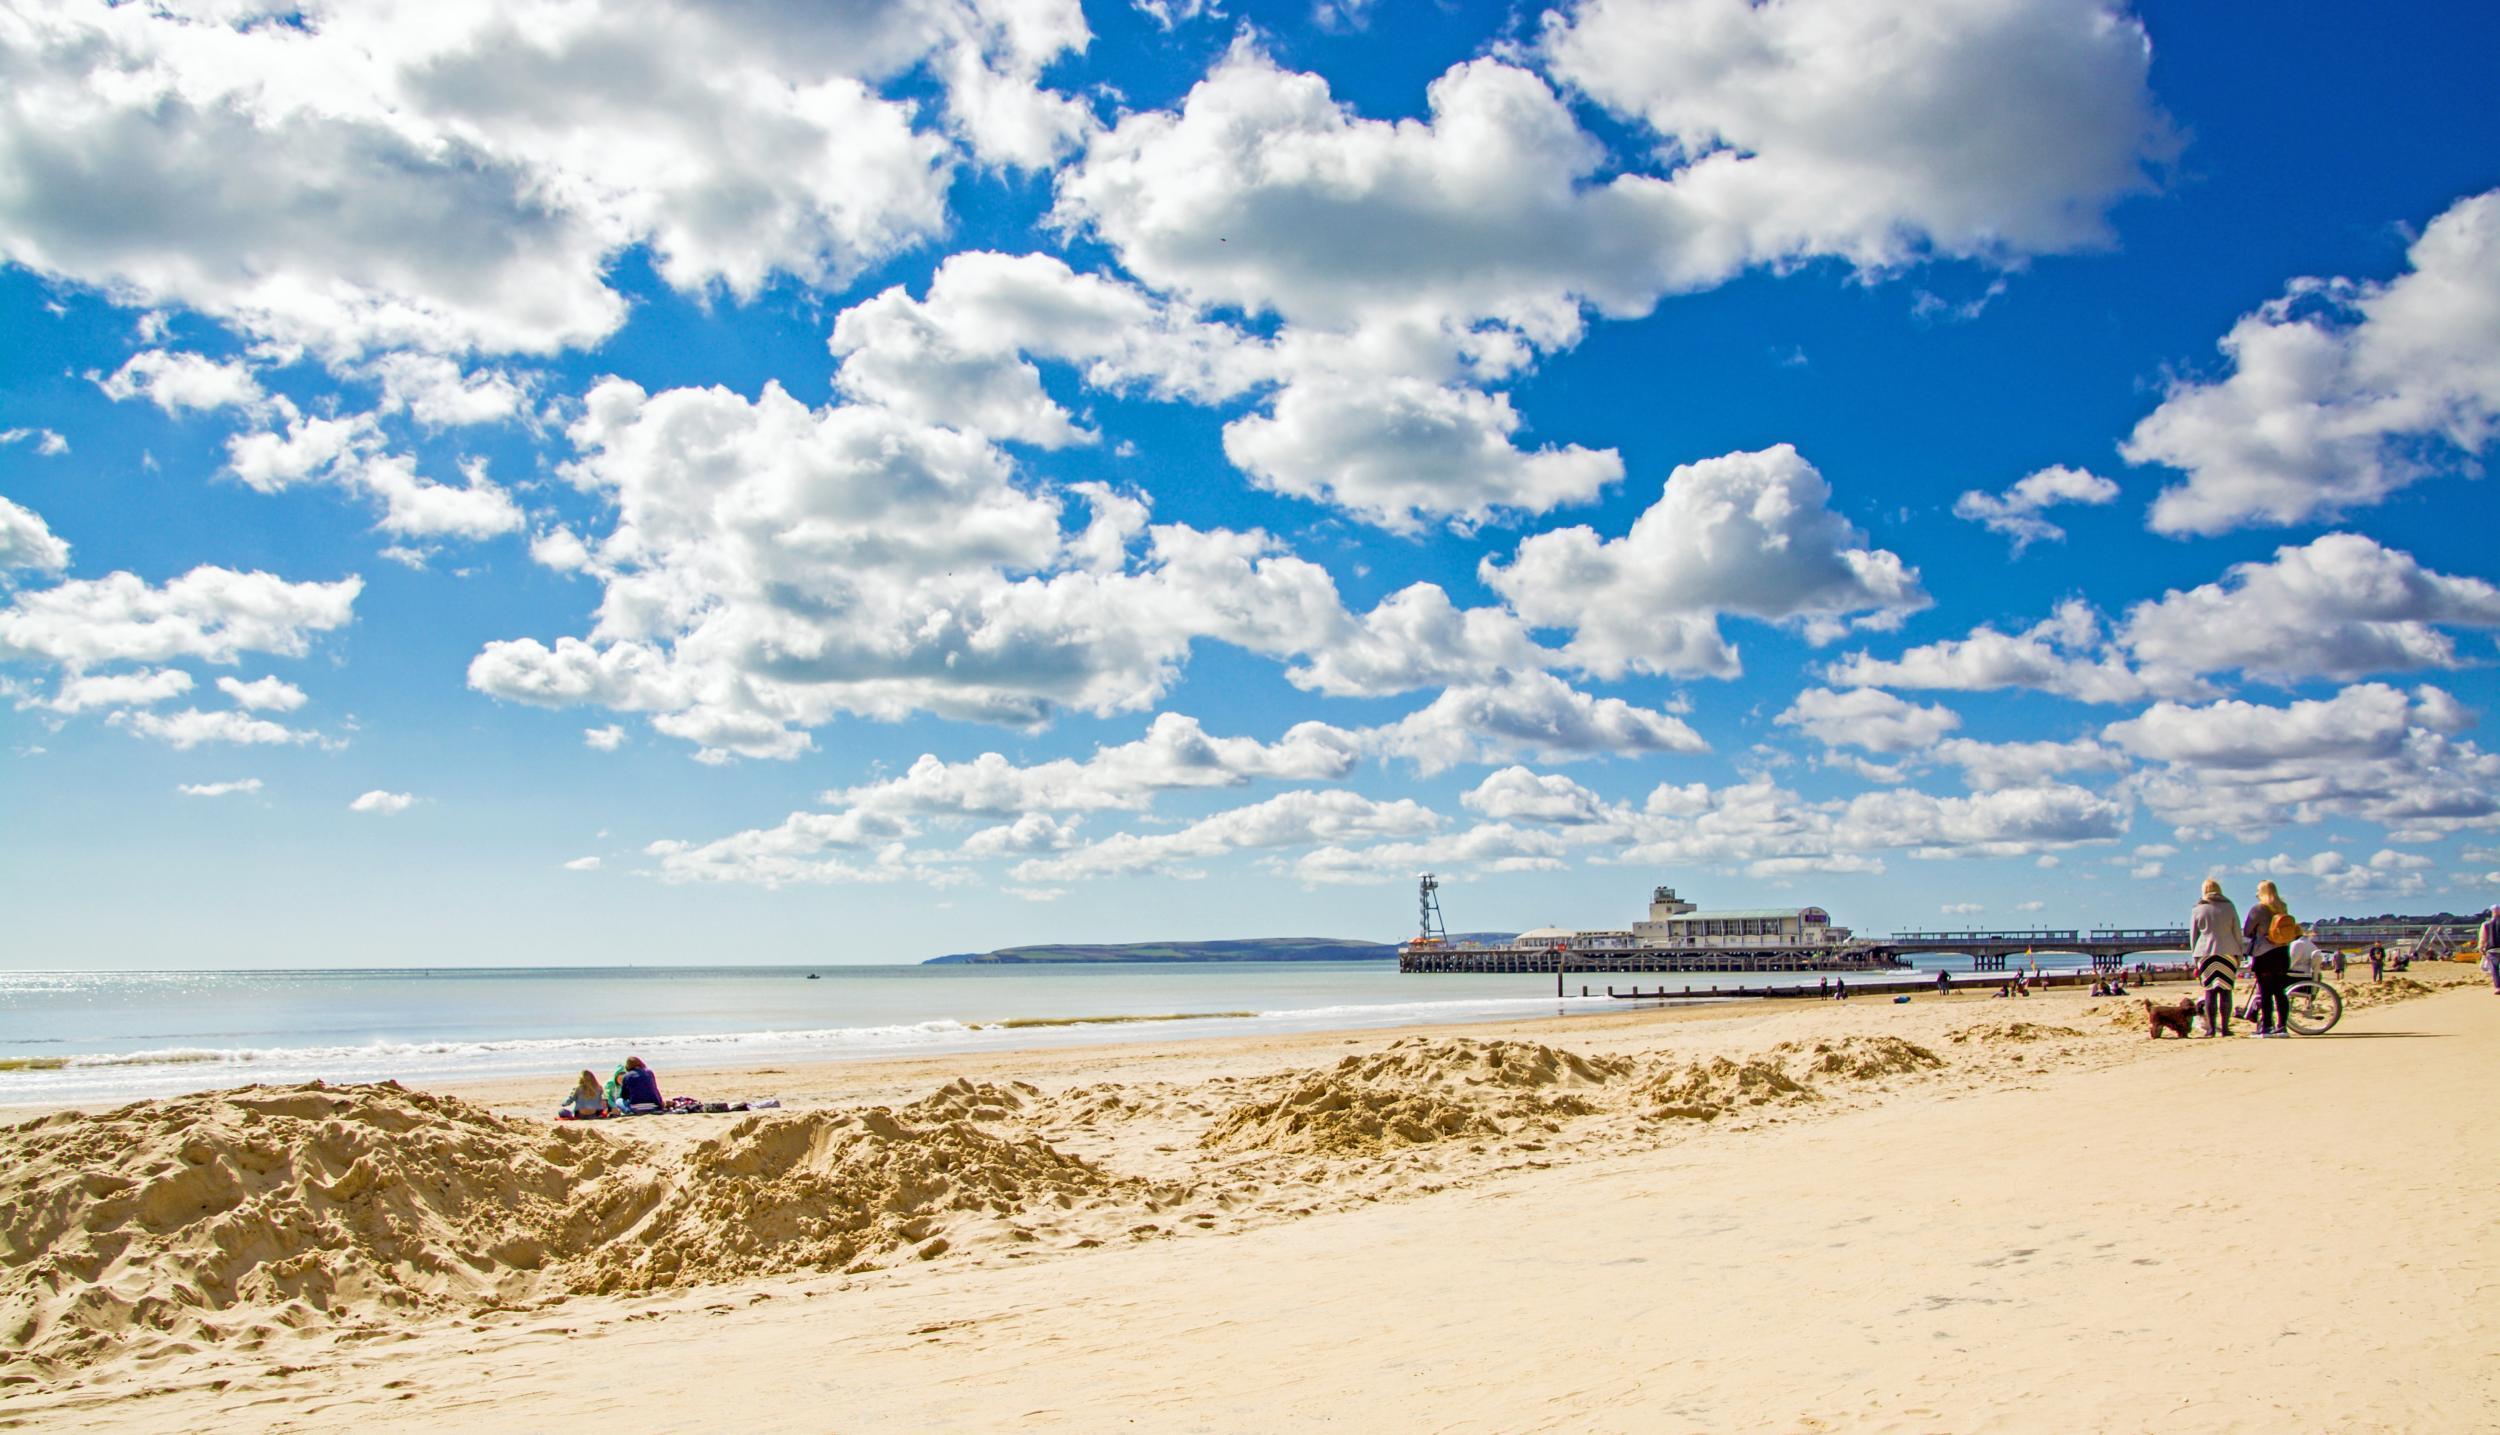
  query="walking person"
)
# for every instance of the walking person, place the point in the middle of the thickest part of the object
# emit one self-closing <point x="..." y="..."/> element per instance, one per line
<point x="2378" y="964"/>
<point x="2215" y="944"/>
<point x="2490" y="938"/>
<point x="2270" y="932"/>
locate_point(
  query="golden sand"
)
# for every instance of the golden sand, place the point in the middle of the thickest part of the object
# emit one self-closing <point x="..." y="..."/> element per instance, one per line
<point x="184" y="1246"/>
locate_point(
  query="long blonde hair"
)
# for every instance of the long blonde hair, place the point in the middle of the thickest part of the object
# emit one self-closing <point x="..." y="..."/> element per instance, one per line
<point x="2267" y="896"/>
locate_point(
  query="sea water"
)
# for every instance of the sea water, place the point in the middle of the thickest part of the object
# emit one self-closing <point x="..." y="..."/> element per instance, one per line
<point x="102" y="1036"/>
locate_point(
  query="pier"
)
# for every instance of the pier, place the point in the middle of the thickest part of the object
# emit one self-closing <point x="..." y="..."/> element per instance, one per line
<point x="1544" y="961"/>
<point x="1681" y="938"/>
<point x="2107" y="948"/>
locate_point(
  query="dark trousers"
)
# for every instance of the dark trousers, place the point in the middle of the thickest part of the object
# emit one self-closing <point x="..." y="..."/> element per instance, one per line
<point x="2273" y="971"/>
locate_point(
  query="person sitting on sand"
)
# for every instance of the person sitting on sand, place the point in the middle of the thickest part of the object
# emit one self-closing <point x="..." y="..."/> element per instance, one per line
<point x="588" y="1102"/>
<point x="637" y="1085"/>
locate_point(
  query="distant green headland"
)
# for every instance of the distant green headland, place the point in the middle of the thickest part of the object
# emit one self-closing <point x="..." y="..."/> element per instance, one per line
<point x="1246" y="949"/>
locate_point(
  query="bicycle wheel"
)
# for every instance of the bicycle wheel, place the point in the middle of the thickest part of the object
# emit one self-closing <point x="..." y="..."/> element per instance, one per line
<point x="2315" y="1008"/>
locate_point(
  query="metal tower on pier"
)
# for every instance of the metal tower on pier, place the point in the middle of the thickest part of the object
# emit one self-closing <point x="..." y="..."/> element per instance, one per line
<point x="1428" y="904"/>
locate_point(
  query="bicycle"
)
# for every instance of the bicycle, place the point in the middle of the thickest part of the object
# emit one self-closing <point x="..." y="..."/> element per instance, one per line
<point x="2313" y="1006"/>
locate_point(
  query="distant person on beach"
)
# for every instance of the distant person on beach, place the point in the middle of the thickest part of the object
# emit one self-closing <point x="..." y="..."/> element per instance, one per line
<point x="2216" y="944"/>
<point x="2490" y="939"/>
<point x="1823" y="987"/>
<point x="2378" y="963"/>
<point x="1840" y="990"/>
<point x="637" y="1085"/>
<point x="1944" y="983"/>
<point x="2339" y="964"/>
<point x="2269" y="932"/>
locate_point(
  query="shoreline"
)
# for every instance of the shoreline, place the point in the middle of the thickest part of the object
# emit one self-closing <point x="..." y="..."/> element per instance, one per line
<point x="824" y="1079"/>
<point x="1240" y="1176"/>
<point x="34" y="1081"/>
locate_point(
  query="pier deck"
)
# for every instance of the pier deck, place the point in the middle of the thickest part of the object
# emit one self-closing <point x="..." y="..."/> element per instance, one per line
<point x="1890" y="984"/>
<point x="1990" y="952"/>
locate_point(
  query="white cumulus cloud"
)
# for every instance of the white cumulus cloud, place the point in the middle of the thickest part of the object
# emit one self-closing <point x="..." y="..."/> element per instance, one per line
<point x="459" y="177"/>
<point x="1746" y="534"/>
<point x="1868" y="718"/>
<point x="26" y="542"/>
<point x="2016" y="512"/>
<point x="1879" y="130"/>
<point x="210" y="614"/>
<point x="243" y="785"/>
<point x="2341" y="392"/>
<point x="2342" y="606"/>
<point x="270" y="694"/>
<point x="191" y="727"/>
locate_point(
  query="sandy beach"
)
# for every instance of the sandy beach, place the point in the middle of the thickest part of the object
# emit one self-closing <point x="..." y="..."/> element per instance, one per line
<point x="1965" y="1215"/>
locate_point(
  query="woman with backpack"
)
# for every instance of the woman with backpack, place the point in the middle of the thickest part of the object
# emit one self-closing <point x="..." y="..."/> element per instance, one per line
<point x="2270" y="932"/>
<point x="2215" y="945"/>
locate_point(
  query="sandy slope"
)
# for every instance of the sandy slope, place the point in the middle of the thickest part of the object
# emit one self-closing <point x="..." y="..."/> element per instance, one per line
<point x="1965" y="1216"/>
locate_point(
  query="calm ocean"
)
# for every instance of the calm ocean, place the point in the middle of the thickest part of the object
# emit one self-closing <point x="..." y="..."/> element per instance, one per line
<point x="94" y="1036"/>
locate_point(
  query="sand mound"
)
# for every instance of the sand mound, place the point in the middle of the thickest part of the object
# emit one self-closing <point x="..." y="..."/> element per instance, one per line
<point x="1330" y="1116"/>
<point x="962" y="1100"/>
<point x="1707" y="1090"/>
<point x="1462" y="1062"/>
<point x="2016" y="1033"/>
<point x="2362" y="995"/>
<point x="1858" y="1058"/>
<point x="227" y="1217"/>
<point x="289" y="1205"/>
<point x="828" y="1191"/>
<point x="1416" y="1092"/>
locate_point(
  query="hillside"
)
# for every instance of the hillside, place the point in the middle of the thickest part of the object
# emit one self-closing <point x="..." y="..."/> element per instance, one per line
<point x="1245" y="949"/>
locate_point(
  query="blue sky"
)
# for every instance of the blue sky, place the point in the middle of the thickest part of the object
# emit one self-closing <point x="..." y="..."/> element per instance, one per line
<point x="693" y="483"/>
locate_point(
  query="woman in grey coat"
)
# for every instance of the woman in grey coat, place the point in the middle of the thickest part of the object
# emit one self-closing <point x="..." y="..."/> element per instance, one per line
<point x="2216" y="945"/>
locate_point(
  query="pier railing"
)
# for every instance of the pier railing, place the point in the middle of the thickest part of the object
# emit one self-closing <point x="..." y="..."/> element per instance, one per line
<point x="2027" y="934"/>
